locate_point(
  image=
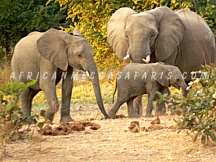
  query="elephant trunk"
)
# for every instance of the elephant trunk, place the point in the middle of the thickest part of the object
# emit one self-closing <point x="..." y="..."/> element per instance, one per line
<point x="95" y="82"/>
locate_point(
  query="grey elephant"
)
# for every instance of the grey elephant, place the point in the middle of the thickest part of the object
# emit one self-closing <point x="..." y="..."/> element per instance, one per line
<point x="180" y="38"/>
<point x="50" y="57"/>
<point x="137" y="79"/>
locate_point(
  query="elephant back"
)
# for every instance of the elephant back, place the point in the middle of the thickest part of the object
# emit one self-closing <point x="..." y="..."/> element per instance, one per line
<point x="198" y="34"/>
<point x="27" y="45"/>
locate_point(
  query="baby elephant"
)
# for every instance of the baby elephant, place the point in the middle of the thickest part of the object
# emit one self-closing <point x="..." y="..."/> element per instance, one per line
<point x="138" y="79"/>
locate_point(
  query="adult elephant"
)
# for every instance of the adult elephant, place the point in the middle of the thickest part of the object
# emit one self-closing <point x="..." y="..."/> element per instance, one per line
<point x="50" y="57"/>
<point x="179" y="38"/>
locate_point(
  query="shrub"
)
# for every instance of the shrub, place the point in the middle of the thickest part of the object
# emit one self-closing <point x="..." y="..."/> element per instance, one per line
<point x="11" y="119"/>
<point x="198" y="109"/>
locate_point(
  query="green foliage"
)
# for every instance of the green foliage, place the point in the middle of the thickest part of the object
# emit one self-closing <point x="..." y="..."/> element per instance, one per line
<point x="11" y="118"/>
<point x="207" y="9"/>
<point x="199" y="108"/>
<point x="91" y="18"/>
<point x="20" y="17"/>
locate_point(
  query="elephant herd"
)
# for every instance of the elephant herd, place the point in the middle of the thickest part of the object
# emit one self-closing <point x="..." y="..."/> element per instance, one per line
<point x="160" y="43"/>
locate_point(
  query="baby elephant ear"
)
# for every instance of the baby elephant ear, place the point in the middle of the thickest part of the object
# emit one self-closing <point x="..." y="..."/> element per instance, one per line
<point x="164" y="81"/>
<point x="163" y="73"/>
<point x="52" y="46"/>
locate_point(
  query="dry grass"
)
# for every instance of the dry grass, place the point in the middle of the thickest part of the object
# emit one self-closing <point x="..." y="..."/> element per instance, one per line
<point x="113" y="142"/>
<point x="5" y="72"/>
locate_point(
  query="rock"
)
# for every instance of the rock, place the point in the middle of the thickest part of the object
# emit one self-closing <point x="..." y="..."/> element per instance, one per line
<point x="77" y="127"/>
<point x="134" y="126"/>
<point x="95" y="126"/>
<point x="156" y="121"/>
<point x="47" y="130"/>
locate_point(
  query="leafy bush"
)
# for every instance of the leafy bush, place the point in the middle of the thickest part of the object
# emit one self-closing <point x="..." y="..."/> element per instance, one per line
<point x="11" y="118"/>
<point x="20" y="17"/>
<point x="198" y="109"/>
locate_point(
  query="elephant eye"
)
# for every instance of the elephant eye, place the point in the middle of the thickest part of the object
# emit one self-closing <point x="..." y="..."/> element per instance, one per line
<point x="177" y="80"/>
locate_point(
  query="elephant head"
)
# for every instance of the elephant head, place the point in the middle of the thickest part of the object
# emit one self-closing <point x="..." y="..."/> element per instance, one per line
<point x="64" y="50"/>
<point x="138" y="35"/>
<point x="177" y="79"/>
<point x="169" y="75"/>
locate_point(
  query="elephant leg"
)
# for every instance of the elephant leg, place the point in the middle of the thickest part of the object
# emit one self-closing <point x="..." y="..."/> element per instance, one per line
<point x="53" y="107"/>
<point x="137" y="104"/>
<point x="131" y="111"/>
<point x="26" y="99"/>
<point x="50" y="92"/>
<point x="48" y="86"/>
<point x="160" y="107"/>
<point x="67" y="86"/>
<point x="151" y="98"/>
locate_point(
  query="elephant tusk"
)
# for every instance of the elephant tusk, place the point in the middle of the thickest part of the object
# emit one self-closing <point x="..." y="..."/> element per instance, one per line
<point x="126" y="57"/>
<point x="147" y="60"/>
<point x="188" y="87"/>
<point x="87" y="73"/>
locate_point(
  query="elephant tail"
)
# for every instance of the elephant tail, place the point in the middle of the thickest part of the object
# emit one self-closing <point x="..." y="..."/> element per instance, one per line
<point x="114" y="92"/>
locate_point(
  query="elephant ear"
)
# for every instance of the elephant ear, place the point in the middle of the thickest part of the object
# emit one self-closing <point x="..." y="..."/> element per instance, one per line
<point x="116" y="31"/>
<point x="162" y="74"/>
<point x="52" y="46"/>
<point x="171" y="31"/>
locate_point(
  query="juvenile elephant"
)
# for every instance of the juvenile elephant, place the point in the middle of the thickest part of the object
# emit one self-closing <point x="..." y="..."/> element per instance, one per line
<point x="49" y="57"/>
<point x="180" y="38"/>
<point x="137" y="79"/>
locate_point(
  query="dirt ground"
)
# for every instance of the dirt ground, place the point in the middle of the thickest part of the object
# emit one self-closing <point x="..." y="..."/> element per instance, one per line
<point x="112" y="142"/>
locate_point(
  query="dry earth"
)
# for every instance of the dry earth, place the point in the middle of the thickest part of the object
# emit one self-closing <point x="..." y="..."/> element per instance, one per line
<point x="112" y="142"/>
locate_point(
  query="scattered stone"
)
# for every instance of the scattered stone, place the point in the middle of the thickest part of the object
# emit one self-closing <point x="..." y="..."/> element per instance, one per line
<point x="156" y="121"/>
<point x="47" y="130"/>
<point x="66" y="128"/>
<point x="87" y="123"/>
<point x="77" y="127"/>
<point x="134" y="126"/>
<point x="95" y="126"/>
<point x="62" y="127"/>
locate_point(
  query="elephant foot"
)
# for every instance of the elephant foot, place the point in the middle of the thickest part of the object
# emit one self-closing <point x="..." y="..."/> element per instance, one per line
<point x="49" y="116"/>
<point x="66" y="119"/>
<point x="133" y="115"/>
<point x="149" y="115"/>
<point x="112" y="114"/>
<point x="50" y="113"/>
